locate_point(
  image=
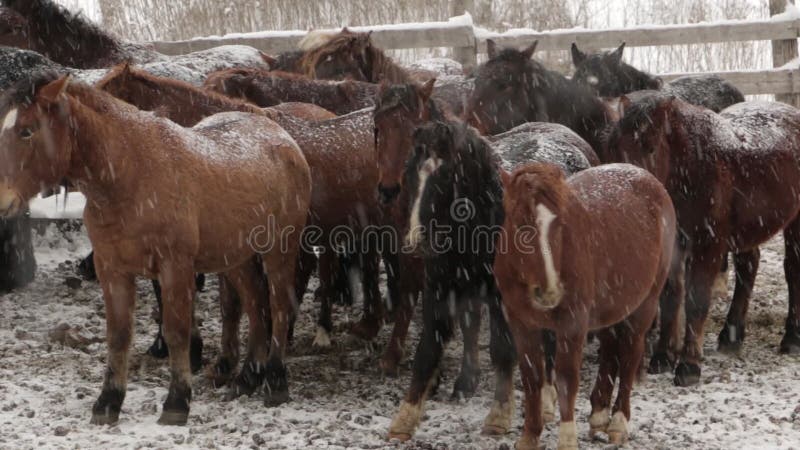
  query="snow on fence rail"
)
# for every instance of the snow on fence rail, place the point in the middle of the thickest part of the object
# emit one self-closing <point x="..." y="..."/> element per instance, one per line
<point x="459" y="32"/>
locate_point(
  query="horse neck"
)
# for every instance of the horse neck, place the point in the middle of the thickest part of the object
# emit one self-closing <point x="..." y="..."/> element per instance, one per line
<point x="384" y="69"/>
<point x="104" y="162"/>
<point x="73" y="43"/>
<point x="634" y="79"/>
<point x="200" y="102"/>
<point x="579" y="109"/>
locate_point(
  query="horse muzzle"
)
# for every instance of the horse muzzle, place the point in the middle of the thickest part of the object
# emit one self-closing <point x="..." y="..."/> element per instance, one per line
<point x="547" y="299"/>
<point x="387" y="194"/>
<point x="10" y="201"/>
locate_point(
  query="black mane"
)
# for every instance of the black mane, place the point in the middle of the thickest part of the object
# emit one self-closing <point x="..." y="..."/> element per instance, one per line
<point x="404" y="95"/>
<point x="641" y="110"/>
<point x="24" y="89"/>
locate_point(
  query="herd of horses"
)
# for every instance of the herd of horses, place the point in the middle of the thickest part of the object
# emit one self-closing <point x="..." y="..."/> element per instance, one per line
<point x="618" y="196"/>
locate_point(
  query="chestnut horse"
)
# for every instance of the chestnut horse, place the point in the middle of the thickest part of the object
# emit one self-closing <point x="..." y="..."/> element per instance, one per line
<point x="733" y="178"/>
<point x="452" y="194"/>
<point x="599" y="258"/>
<point x="332" y="146"/>
<point x="164" y="202"/>
<point x="272" y="88"/>
<point x="609" y="76"/>
<point x="511" y="88"/>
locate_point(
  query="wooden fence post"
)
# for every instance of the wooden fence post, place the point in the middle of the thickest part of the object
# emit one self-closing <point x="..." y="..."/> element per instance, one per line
<point x="467" y="56"/>
<point x="783" y="52"/>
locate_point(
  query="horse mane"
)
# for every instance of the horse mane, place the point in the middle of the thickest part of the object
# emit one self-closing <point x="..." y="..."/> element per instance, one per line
<point x="405" y="95"/>
<point x="75" y="31"/>
<point x="315" y="39"/>
<point x="541" y="180"/>
<point x="23" y="90"/>
<point x="383" y="67"/>
<point x="641" y="110"/>
<point x="289" y="61"/>
<point x="334" y="43"/>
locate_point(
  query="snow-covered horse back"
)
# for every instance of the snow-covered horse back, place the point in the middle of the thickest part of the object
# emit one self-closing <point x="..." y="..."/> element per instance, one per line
<point x="577" y="276"/>
<point x="165" y="201"/>
<point x="734" y="179"/>
<point x="609" y="76"/>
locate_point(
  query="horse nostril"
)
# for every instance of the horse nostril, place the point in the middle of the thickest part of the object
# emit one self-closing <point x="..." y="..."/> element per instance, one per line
<point x="386" y="195"/>
<point x="537" y="291"/>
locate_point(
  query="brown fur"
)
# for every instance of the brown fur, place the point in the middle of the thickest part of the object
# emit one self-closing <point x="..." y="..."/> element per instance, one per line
<point x="159" y="206"/>
<point x="602" y="285"/>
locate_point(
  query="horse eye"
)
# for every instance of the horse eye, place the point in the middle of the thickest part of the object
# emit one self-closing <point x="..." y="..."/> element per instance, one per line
<point x="25" y="133"/>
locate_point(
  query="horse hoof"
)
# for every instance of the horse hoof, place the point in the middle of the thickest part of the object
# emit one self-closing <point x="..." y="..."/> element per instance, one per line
<point x="322" y="340"/>
<point x="549" y="398"/>
<point x="790" y="344"/>
<point x="402" y="437"/>
<point x="466" y="385"/>
<point x="221" y="373"/>
<point x="730" y="339"/>
<point x="567" y="436"/>
<point x="527" y="442"/>
<point x="177" y="418"/>
<point x="107" y="418"/>
<point x="660" y="363"/>
<point x="196" y="354"/>
<point x="499" y="419"/>
<point x="273" y="399"/>
<point x="159" y="348"/>
<point x="598" y="422"/>
<point x="405" y="421"/>
<point x="687" y="374"/>
<point x="250" y="378"/>
<point x="618" y="429"/>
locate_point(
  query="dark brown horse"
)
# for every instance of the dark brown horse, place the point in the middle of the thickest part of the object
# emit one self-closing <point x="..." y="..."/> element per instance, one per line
<point x="272" y="88"/>
<point x="163" y="202"/>
<point x="575" y="275"/>
<point x="511" y="88"/>
<point x="733" y="178"/>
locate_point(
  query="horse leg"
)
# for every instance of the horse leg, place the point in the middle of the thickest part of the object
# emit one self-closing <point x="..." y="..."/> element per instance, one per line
<point x="178" y="287"/>
<point x="791" y="264"/>
<point x="327" y="267"/>
<point x="158" y="349"/>
<point x="569" y="354"/>
<point x="231" y="311"/>
<point x="733" y="332"/>
<point x="119" y="294"/>
<point x="531" y="367"/>
<point x="372" y="319"/>
<point x="306" y="264"/>
<point x="631" y="336"/>
<point x="403" y="289"/>
<point x="281" y="277"/>
<point x="467" y="381"/>
<point x="672" y="296"/>
<point x="437" y="330"/>
<point x="704" y="266"/>
<point x="604" y="383"/>
<point x="549" y="394"/>
<point x="503" y="354"/>
<point x="249" y="282"/>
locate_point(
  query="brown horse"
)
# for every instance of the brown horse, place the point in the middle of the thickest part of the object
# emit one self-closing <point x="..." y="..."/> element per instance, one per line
<point x="733" y="178"/>
<point x="272" y="88"/>
<point x="599" y="258"/>
<point x="164" y="202"/>
<point x="332" y="147"/>
<point x="351" y="55"/>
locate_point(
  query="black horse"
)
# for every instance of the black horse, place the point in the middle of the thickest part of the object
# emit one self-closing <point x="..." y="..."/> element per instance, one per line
<point x="609" y="76"/>
<point x="511" y="88"/>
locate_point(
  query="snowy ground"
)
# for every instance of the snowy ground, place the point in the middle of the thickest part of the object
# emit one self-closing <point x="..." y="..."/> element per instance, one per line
<point x="339" y="399"/>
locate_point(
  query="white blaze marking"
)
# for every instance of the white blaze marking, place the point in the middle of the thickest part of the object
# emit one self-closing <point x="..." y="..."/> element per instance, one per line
<point x="545" y="217"/>
<point x="10" y="120"/>
<point x="593" y="80"/>
<point x="322" y="339"/>
<point x="415" y="228"/>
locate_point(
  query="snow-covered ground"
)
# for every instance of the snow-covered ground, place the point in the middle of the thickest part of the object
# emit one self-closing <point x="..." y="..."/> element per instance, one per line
<point x="52" y="359"/>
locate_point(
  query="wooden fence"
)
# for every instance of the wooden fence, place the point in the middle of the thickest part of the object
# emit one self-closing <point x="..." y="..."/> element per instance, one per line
<point x="460" y="34"/>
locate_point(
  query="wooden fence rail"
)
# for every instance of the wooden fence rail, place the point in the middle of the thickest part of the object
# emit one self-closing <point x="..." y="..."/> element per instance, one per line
<point x="460" y="33"/>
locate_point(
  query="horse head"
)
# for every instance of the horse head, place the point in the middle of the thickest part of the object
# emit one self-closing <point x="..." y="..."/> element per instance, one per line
<point x="36" y="142"/>
<point x="507" y="88"/>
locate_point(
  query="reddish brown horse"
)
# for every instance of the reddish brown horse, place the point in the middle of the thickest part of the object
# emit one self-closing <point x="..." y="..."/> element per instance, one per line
<point x="272" y="88"/>
<point x="163" y="202"/>
<point x="333" y="148"/>
<point x="575" y="276"/>
<point x="734" y="179"/>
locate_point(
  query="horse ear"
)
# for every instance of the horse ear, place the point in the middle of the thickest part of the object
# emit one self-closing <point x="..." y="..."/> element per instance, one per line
<point x="616" y="55"/>
<point x="528" y="52"/>
<point x="270" y="60"/>
<point x="52" y="91"/>
<point x="577" y="56"/>
<point x="427" y="89"/>
<point x="491" y="48"/>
